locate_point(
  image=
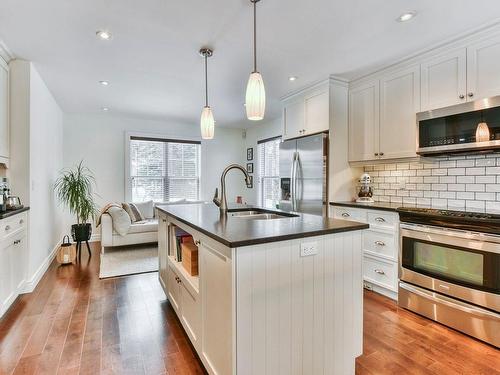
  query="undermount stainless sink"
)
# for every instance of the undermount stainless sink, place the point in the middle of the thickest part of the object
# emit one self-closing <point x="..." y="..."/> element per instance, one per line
<point x="256" y="214"/>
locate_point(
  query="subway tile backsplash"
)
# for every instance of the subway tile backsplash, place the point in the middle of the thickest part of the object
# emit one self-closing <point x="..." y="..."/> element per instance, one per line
<point x="471" y="182"/>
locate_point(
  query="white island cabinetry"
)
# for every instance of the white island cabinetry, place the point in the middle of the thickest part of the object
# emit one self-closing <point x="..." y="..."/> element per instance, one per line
<point x="269" y="308"/>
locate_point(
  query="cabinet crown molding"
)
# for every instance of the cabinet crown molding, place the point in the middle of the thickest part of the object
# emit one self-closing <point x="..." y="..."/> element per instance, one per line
<point x="5" y="53"/>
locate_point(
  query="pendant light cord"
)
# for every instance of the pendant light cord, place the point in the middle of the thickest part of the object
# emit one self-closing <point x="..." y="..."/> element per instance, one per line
<point x="206" y="81"/>
<point x="255" y="36"/>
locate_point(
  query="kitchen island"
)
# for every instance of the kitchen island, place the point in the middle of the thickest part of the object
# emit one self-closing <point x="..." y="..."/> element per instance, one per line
<point x="275" y="293"/>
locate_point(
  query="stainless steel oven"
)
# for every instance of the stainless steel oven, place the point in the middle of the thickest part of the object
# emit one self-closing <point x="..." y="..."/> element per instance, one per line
<point x="452" y="276"/>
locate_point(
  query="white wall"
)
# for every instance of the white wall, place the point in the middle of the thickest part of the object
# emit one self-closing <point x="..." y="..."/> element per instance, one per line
<point x="36" y="159"/>
<point x="261" y="130"/>
<point x="46" y="129"/>
<point x="99" y="140"/>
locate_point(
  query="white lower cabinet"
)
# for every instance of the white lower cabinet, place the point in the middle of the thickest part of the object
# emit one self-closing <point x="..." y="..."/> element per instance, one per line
<point x="13" y="259"/>
<point x="380" y="246"/>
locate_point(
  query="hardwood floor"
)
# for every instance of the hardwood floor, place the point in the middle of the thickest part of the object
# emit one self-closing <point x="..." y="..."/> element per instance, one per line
<point x="74" y="323"/>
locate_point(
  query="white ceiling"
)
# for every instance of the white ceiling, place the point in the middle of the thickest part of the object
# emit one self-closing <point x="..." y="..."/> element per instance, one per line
<point x="152" y="62"/>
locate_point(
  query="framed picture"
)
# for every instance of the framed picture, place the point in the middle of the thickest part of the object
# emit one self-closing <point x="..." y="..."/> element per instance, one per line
<point x="251" y="183"/>
<point x="250" y="167"/>
<point x="250" y="153"/>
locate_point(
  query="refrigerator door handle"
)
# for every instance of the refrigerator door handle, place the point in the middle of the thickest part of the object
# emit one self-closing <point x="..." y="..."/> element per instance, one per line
<point x="292" y="182"/>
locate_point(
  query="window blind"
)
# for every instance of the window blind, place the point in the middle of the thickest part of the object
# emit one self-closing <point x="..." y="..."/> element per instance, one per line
<point x="164" y="170"/>
<point x="269" y="157"/>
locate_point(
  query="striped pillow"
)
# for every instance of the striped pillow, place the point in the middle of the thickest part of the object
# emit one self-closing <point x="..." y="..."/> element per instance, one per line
<point x="133" y="212"/>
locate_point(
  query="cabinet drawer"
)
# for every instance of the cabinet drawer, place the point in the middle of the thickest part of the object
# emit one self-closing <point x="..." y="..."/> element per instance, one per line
<point x="381" y="273"/>
<point x="383" y="220"/>
<point x="347" y="213"/>
<point x="12" y="225"/>
<point x="380" y="243"/>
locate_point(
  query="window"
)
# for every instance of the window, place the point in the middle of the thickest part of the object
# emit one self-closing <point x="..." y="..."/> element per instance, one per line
<point x="164" y="170"/>
<point x="269" y="171"/>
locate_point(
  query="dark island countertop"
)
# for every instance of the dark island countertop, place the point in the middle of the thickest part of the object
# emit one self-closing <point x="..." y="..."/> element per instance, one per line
<point x="6" y="214"/>
<point x="237" y="231"/>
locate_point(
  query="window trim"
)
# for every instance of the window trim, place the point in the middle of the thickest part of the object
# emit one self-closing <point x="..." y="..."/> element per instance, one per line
<point x="260" y="179"/>
<point x="129" y="136"/>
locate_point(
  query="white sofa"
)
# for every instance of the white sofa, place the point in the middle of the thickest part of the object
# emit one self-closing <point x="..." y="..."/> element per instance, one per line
<point x="141" y="232"/>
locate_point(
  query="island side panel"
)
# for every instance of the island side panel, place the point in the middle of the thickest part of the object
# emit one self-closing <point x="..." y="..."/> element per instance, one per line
<point x="299" y="315"/>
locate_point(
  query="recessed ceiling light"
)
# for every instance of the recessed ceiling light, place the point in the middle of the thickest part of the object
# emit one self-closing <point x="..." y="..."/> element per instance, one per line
<point x="104" y="35"/>
<point x="292" y="78"/>
<point x="104" y="83"/>
<point x="105" y="109"/>
<point x="406" y="16"/>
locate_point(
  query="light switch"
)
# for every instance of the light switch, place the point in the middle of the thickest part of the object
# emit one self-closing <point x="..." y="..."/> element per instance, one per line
<point x="308" y="248"/>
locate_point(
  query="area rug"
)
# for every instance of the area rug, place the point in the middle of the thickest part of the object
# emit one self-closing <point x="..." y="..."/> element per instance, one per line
<point x="128" y="260"/>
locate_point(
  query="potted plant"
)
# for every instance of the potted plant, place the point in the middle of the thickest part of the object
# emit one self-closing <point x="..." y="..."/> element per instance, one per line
<point x="74" y="189"/>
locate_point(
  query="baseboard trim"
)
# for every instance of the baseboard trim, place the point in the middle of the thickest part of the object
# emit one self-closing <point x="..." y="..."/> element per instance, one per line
<point x="30" y="285"/>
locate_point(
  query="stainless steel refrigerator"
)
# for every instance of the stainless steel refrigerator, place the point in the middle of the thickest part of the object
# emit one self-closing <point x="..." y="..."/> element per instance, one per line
<point x="303" y="174"/>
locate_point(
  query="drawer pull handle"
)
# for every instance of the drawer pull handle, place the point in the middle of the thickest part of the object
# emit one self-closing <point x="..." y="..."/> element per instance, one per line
<point x="7" y="227"/>
<point x="380" y="243"/>
<point x="21" y="221"/>
<point x="16" y="242"/>
<point x="345" y="214"/>
<point x="197" y="242"/>
<point x="380" y="272"/>
<point x="380" y="219"/>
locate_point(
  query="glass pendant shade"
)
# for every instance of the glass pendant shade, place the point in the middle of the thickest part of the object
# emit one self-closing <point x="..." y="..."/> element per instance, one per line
<point x="255" y="99"/>
<point x="207" y="123"/>
<point x="482" y="132"/>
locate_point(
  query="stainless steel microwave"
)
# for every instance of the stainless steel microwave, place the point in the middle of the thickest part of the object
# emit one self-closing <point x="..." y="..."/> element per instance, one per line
<point x="471" y="127"/>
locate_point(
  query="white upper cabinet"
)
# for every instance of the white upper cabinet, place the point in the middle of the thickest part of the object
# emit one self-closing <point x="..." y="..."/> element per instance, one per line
<point x="317" y="108"/>
<point x="4" y="109"/>
<point x="399" y="104"/>
<point x="444" y="80"/>
<point x="364" y="122"/>
<point x="483" y="73"/>
<point x="293" y="119"/>
<point x="306" y="113"/>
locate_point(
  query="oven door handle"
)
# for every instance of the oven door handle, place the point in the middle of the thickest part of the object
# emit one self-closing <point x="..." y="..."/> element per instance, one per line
<point x="449" y="302"/>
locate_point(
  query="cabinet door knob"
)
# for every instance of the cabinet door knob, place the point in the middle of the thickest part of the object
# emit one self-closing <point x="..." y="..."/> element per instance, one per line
<point x="380" y="243"/>
<point x="381" y="154"/>
<point x="16" y="242"/>
<point x="380" y="219"/>
<point x="470" y="94"/>
<point x="380" y="272"/>
<point x="376" y="154"/>
<point x="461" y="96"/>
<point x="7" y="227"/>
<point x="345" y="214"/>
<point x="197" y="242"/>
<point x="21" y="221"/>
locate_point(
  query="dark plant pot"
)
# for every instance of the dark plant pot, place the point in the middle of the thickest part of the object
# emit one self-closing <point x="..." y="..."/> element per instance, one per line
<point x="81" y="232"/>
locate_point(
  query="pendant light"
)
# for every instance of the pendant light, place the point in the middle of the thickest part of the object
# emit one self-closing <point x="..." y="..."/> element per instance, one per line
<point x="255" y="98"/>
<point x="207" y="122"/>
<point x="482" y="131"/>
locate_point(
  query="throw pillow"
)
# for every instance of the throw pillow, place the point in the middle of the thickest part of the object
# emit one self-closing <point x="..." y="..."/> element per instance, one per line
<point x="121" y="220"/>
<point x="133" y="212"/>
<point x="146" y="209"/>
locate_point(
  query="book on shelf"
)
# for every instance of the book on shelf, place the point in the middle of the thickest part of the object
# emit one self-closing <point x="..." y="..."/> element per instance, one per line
<point x="180" y="238"/>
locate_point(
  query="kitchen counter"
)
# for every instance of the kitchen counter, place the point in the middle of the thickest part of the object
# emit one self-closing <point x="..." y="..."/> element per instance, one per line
<point x="245" y="288"/>
<point x="237" y="231"/>
<point x="384" y="206"/>
<point x="6" y="214"/>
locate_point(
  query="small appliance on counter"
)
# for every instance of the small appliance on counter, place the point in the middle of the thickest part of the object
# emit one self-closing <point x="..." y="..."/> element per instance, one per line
<point x="13" y="203"/>
<point x="4" y="187"/>
<point x="365" y="193"/>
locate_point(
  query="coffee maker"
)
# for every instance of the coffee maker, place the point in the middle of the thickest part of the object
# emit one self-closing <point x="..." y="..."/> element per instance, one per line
<point x="4" y="188"/>
<point x="365" y="192"/>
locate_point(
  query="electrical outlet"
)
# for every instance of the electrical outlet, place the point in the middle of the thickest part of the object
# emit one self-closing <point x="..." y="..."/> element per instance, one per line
<point x="308" y="248"/>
